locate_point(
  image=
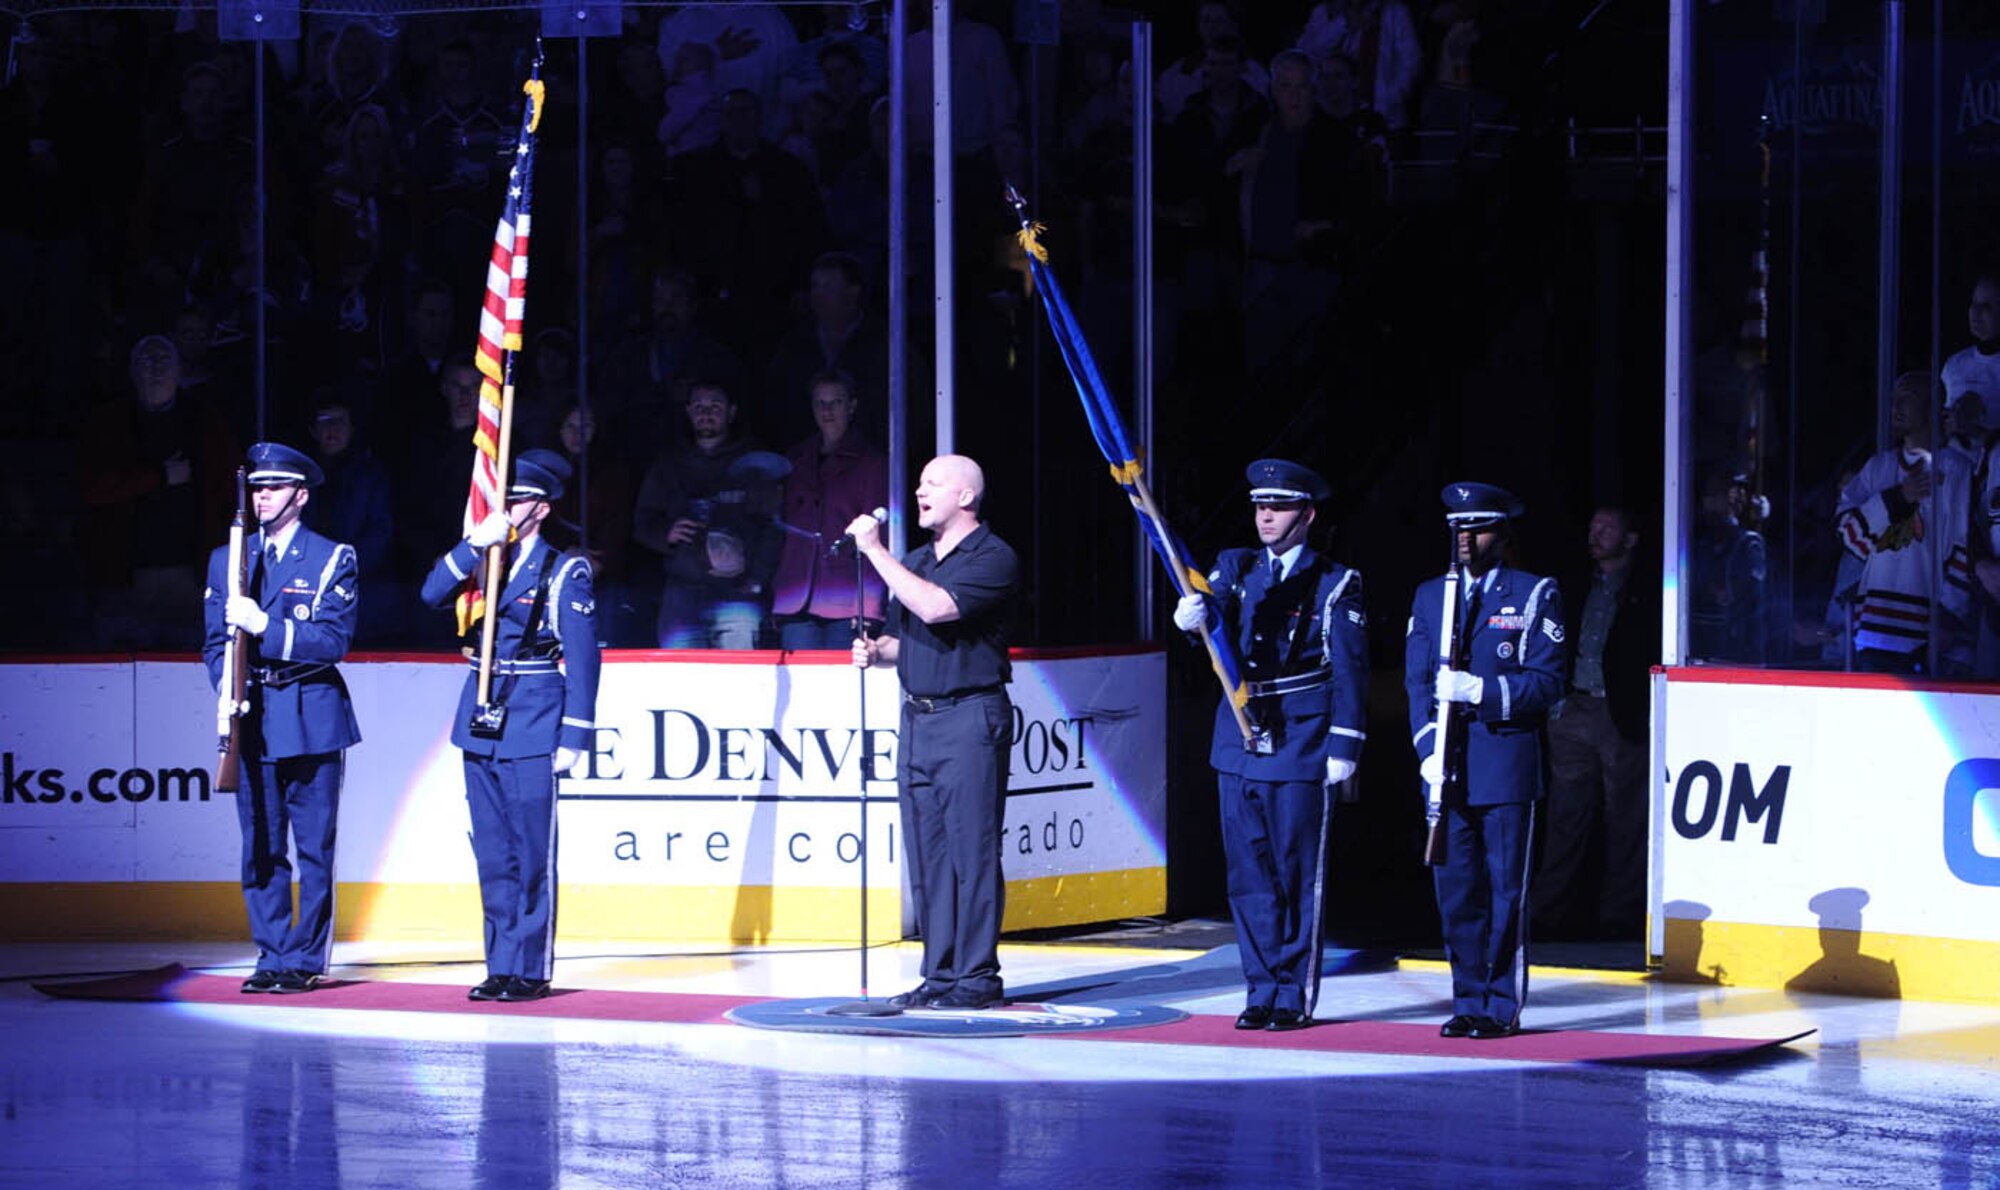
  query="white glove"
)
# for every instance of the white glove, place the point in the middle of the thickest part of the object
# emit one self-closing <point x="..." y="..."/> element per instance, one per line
<point x="1338" y="770"/>
<point x="566" y="759"/>
<point x="1191" y="612"/>
<point x="1431" y="769"/>
<point x="242" y="612"/>
<point x="491" y="531"/>
<point x="1455" y="685"/>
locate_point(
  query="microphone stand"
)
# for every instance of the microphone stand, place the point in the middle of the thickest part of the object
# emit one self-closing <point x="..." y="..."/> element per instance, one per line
<point x="864" y="1006"/>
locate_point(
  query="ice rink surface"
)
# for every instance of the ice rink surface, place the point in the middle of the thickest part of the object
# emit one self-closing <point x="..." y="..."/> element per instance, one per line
<point x="276" y="1092"/>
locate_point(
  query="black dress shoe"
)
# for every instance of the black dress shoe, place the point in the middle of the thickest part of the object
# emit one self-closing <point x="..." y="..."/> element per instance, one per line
<point x="263" y="979"/>
<point x="968" y="1000"/>
<point x="291" y="983"/>
<point x="1254" y="1017"/>
<point x="1284" y="1020"/>
<point x="1459" y="1026"/>
<point x="520" y="988"/>
<point x="922" y="996"/>
<point x="1486" y="1028"/>
<point x="490" y="987"/>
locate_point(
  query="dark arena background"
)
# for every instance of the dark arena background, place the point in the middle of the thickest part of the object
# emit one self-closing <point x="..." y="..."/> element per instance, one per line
<point x="1722" y="275"/>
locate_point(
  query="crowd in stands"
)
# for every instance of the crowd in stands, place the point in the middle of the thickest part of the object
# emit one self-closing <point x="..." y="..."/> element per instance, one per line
<point x="706" y="314"/>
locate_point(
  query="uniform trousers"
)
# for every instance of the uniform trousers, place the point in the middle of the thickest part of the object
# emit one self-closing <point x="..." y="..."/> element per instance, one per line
<point x="1598" y="785"/>
<point x="1274" y="838"/>
<point x="299" y="797"/>
<point x="951" y="767"/>
<point x="513" y="805"/>
<point x="1482" y="887"/>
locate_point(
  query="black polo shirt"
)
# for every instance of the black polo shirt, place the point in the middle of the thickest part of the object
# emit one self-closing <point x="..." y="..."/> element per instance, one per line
<point x="983" y="577"/>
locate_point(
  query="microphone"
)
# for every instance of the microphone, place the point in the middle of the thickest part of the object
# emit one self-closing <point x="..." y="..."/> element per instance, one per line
<point x="846" y="540"/>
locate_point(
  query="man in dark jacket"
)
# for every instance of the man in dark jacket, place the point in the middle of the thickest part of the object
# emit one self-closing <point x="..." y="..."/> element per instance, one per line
<point x="706" y="508"/>
<point x="1592" y="878"/>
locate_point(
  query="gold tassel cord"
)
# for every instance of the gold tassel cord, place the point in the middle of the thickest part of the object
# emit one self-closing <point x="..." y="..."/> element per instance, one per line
<point x="536" y="92"/>
<point x="1030" y="238"/>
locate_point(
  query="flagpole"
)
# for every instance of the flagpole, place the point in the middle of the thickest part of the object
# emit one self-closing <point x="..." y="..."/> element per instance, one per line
<point x="1128" y="469"/>
<point x="496" y="554"/>
<point x="486" y="717"/>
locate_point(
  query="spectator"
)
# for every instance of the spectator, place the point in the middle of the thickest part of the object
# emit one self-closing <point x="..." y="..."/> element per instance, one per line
<point x="836" y="336"/>
<point x="1976" y="369"/>
<point x="1296" y="192"/>
<point x="751" y="44"/>
<point x="156" y="481"/>
<point x="691" y="105"/>
<point x="643" y="392"/>
<point x="836" y="475"/>
<point x="707" y="519"/>
<point x="846" y="26"/>
<point x="843" y="133"/>
<point x="751" y="222"/>
<point x="857" y="202"/>
<point x="1592" y="878"/>
<point x="361" y="236"/>
<point x="411" y="379"/>
<point x="223" y="275"/>
<point x="1223" y="118"/>
<point x="802" y="138"/>
<point x="544" y="388"/>
<point x="461" y="152"/>
<point x="1340" y="99"/>
<point x="1727" y="568"/>
<point x="1190" y="74"/>
<point x="627" y="214"/>
<point x="595" y="513"/>
<point x="187" y="183"/>
<point x="1380" y="37"/>
<point x="49" y="212"/>
<point x="1455" y="101"/>
<point x="194" y="342"/>
<point x="357" y="76"/>
<point x="984" y="96"/>
<point x="432" y="468"/>
<point x="1903" y="517"/>
<point x="637" y="102"/>
<point x="354" y="504"/>
<point x="1983" y="544"/>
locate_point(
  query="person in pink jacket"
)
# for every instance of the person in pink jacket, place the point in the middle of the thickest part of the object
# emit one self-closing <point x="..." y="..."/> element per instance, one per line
<point x="836" y="476"/>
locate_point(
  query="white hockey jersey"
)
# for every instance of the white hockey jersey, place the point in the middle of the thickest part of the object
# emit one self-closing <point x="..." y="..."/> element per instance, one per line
<point x="1906" y="560"/>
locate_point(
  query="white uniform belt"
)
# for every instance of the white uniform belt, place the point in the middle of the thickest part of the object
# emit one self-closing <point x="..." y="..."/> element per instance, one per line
<point x="535" y="665"/>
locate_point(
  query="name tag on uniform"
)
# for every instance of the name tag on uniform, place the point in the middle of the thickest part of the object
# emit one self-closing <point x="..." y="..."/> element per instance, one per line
<point x="1507" y="623"/>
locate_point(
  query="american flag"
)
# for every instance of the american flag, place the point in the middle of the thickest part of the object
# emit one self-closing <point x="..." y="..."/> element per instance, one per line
<point x="500" y="335"/>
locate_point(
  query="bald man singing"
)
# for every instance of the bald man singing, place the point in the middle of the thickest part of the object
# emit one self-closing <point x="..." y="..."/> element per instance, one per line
<point x="951" y="604"/>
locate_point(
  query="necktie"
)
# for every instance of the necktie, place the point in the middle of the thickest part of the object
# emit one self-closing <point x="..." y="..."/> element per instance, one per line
<point x="260" y="581"/>
<point x="1277" y="572"/>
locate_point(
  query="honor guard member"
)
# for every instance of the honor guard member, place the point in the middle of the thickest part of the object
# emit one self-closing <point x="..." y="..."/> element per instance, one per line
<point x="298" y="610"/>
<point x="952" y="603"/>
<point x="1512" y="676"/>
<point x="1298" y="624"/>
<point x="545" y="666"/>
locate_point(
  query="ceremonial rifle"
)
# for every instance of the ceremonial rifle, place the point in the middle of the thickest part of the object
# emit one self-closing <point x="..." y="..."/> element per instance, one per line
<point x="1452" y="635"/>
<point x="230" y="703"/>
